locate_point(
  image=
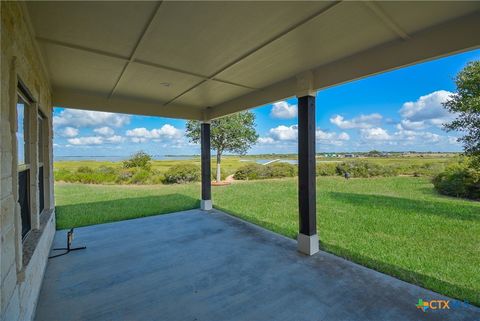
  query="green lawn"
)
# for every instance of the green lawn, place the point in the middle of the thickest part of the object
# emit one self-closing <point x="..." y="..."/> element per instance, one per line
<point x="396" y="225"/>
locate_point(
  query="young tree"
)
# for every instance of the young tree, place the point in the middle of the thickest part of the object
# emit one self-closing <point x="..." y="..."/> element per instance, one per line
<point x="466" y="102"/>
<point x="139" y="159"/>
<point x="235" y="133"/>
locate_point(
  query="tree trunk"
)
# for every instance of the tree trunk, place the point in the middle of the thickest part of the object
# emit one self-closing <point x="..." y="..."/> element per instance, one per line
<point x="219" y="174"/>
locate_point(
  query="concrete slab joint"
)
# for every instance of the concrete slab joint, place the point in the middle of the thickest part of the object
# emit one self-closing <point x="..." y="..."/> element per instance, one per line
<point x="307" y="244"/>
<point x="206" y="205"/>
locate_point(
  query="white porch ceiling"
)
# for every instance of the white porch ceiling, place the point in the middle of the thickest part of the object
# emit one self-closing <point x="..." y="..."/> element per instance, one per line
<point x="201" y="60"/>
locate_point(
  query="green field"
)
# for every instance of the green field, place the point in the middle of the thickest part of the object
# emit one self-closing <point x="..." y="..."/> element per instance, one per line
<point x="229" y="164"/>
<point x="426" y="164"/>
<point x="397" y="225"/>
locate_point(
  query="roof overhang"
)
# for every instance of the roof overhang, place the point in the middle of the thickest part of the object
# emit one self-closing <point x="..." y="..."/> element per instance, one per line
<point x="203" y="60"/>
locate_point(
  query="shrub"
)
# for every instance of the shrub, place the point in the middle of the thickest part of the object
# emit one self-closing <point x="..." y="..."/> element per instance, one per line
<point x="257" y="171"/>
<point x="156" y="178"/>
<point x="327" y="169"/>
<point x="106" y="170"/>
<point x="279" y="170"/>
<point x="140" y="177"/>
<point x="460" y="180"/>
<point x="364" y="169"/>
<point x="140" y="160"/>
<point x="84" y="170"/>
<point x="223" y="173"/>
<point x="250" y="171"/>
<point x="124" y="175"/>
<point x="64" y="175"/>
<point x="182" y="174"/>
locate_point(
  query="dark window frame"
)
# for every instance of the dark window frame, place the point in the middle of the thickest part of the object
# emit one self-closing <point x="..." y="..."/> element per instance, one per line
<point x="41" y="144"/>
<point x="23" y="95"/>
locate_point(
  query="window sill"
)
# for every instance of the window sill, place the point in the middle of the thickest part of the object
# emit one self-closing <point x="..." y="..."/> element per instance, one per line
<point x="33" y="237"/>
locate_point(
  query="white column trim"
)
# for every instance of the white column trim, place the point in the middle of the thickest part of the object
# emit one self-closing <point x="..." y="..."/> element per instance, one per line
<point x="305" y="84"/>
<point x="307" y="244"/>
<point x="206" y="205"/>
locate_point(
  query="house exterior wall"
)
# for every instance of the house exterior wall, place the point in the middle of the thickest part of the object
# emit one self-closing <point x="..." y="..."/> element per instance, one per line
<point x="22" y="262"/>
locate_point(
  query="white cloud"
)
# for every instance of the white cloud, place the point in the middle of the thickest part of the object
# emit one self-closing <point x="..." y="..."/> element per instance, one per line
<point x="411" y="137"/>
<point x="284" y="133"/>
<point x="376" y="133"/>
<point x="95" y="140"/>
<point x="69" y="132"/>
<point x="331" y="138"/>
<point x="104" y="131"/>
<point x="88" y="140"/>
<point x="363" y="121"/>
<point x="165" y="132"/>
<point x="115" y="139"/>
<point x="138" y="140"/>
<point x="426" y="111"/>
<point x="411" y="125"/>
<point x="283" y="110"/>
<point x="289" y="134"/>
<point x="343" y="136"/>
<point x="86" y="118"/>
<point x="453" y="140"/>
<point x="266" y="140"/>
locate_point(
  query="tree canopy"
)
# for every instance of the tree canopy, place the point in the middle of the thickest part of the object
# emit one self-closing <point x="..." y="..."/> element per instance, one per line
<point x="234" y="133"/>
<point x="466" y="104"/>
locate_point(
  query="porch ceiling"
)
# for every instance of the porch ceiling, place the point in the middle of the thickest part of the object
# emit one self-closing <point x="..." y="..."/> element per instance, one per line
<point x="201" y="60"/>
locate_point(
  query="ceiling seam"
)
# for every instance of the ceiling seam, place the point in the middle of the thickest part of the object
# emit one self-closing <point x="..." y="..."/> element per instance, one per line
<point x="386" y="20"/>
<point x="82" y="48"/>
<point x="263" y="45"/>
<point x="139" y="61"/>
<point x="151" y="64"/>
<point x="135" y="48"/>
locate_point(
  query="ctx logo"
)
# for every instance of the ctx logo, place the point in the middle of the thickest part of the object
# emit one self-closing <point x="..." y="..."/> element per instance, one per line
<point x="433" y="304"/>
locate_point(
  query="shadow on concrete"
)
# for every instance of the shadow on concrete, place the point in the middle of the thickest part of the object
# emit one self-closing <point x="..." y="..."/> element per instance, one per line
<point x="84" y="214"/>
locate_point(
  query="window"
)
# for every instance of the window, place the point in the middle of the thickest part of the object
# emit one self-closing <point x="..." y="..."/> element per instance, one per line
<point x="41" y="161"/>
<point x="22" y="131"/>
<point x="23" y="162"/>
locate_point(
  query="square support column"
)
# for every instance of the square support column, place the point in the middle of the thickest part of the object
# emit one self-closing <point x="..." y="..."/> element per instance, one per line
<point x="307" y="238"/>
<point x="206" y="201"/>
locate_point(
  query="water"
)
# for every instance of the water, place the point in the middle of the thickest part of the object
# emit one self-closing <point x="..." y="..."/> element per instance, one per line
<point x="118" y="158"/>
<point x="289" y="161"/>
<point x="264" y="161"/>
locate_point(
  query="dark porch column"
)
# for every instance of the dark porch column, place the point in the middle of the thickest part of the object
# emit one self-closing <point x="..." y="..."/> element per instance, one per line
<point x="307" y="238"/>
<point x="206" y="202"/>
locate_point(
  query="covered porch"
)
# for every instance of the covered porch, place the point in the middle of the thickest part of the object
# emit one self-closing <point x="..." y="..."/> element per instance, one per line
<point x="197" y="265"/>
<point x="198" y="61"/>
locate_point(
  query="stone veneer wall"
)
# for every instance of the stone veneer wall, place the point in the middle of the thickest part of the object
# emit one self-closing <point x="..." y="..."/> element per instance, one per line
<point x="22" y="263"/>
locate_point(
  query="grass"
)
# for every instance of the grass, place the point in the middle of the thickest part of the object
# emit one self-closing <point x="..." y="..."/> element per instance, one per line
<point x="397" y="225"/>
<point x="82" y="204"/>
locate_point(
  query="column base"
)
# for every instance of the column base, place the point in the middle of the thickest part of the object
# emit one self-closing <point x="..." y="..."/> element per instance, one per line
<point x="206" y="205"/>
<point x="307" y="244"/>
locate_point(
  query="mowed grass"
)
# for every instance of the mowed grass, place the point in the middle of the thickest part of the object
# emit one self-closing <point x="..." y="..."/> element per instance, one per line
<point x="83" y="204"/>
<point x="396" y="225"/>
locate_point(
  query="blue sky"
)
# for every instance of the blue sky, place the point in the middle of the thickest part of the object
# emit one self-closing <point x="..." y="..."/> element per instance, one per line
<point x="394" y="111"/>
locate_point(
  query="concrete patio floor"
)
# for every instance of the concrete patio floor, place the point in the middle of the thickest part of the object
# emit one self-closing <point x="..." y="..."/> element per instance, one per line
<point x="207" y="266"/>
